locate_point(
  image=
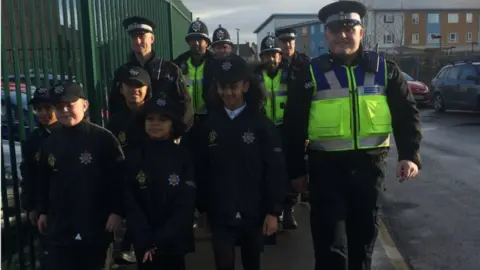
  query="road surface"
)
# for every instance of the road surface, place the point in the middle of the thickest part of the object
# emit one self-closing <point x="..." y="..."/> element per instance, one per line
<point x="435" y="220"/>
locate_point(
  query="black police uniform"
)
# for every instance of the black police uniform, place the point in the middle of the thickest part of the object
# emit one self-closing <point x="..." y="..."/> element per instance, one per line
<point x="79" y="186"/>
<point x="29" y="165"/>
<point x="345" y="185"/>
<point x="123" y="124"/>
<point x="240" y="173"/>
<point x="160" y="195"/>
<point x="268" y="44"/>
<point x="165" y="75"/>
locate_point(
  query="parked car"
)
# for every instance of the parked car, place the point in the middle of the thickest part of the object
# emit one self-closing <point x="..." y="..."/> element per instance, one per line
<point x="7" y="161"/>
<point x="419" y="90"/>
<point x="457" y="87"/>
<point x="15" y="112"/>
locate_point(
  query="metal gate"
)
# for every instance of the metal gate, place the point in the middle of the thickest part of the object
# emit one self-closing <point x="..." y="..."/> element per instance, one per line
<point x="47" y="41"/>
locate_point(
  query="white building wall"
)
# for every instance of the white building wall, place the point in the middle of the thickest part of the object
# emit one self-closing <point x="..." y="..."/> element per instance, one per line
<point x="387" y="35"/>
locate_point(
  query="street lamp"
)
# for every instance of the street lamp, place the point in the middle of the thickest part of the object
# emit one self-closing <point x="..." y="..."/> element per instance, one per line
<point x="435" y="36"/>
<point x="238" y="41"/>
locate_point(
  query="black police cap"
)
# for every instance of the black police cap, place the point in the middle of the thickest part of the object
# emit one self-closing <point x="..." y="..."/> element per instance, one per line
<point x="343" y="11"/>
<point x="270" y="44"/>
<point x="138" y="24"/>
<point x="40" y="95"/>
<point x="286" y="33"/>
<point x="66" y="92"/>
<point x="198" y="29"/>
<point x="162" y="104"/>
<point x="134" y="75"/>
<point x="221" y="35"/>
<point x="231" y="69"/>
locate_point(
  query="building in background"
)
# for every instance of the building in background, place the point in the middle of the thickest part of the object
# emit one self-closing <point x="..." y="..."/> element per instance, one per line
<point x="275" y="21"/>
<point x="394" y="25"/>
<point x="310" y="38"/>
<point x="247" y="51"/>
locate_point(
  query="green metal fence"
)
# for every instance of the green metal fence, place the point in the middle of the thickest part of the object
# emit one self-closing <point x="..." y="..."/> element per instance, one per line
<point x="47" y="41"/>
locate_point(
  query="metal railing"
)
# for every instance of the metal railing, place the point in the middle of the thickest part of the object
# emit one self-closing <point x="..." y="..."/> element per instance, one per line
<point x="48" y="41"/>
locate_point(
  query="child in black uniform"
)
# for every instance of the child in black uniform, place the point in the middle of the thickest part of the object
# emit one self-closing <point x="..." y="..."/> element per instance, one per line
<point x="160" y="191"/>
<point x="241" y="169"/>
<point x="79" y="185"/>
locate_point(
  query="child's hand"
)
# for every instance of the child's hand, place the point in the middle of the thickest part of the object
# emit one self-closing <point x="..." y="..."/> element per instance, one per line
<point x="148" y="256"/>
<point x="42" y="224"/>
<point x="114" y="223"/>
<point x="270" y="225"/>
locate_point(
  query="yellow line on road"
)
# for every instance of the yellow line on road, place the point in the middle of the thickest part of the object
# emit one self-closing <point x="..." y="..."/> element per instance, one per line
<point x="391" y="249"/>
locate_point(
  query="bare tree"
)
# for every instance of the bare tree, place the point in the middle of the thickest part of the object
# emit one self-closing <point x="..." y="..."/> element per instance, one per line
<point x="390" y="30"/>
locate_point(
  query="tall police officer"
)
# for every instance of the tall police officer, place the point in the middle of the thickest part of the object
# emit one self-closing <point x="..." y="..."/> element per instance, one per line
<point x="275" y="81"/>
<point x="222" y="44"/>
<point x="355" y="100"/>
<point x="195" y="65"/>
<point x="291" y="57"/>
<point x="164" y="74"/>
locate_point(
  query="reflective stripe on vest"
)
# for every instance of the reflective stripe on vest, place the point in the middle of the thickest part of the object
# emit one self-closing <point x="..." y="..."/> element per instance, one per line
<point x="276" y="91"/>
<point x="194" y="80"/>
<point x="349" y="109"/>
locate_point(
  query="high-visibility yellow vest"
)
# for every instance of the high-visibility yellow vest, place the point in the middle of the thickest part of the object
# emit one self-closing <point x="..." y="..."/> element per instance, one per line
<point x="349" y="109"/>
<point x="276" y="90"/>
<point x="194" y="79"/>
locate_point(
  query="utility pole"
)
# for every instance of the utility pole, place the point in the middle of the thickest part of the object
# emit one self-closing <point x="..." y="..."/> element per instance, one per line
<point x="238" y="41"/>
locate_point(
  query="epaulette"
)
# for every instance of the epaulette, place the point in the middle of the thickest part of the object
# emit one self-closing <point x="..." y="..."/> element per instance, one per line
<point x="371" y="60"/>
<point x="324" y="62"/>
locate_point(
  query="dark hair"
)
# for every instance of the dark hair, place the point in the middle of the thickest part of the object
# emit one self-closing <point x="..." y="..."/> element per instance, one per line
<point x="254" y="97"/>
<point x="178" y="128"/>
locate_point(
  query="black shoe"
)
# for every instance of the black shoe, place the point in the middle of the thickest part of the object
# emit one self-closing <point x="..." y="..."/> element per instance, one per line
<point x="289" y="222"/>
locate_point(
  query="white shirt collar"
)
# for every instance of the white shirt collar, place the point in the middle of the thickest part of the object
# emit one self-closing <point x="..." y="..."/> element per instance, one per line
<point x="236" y="112"/>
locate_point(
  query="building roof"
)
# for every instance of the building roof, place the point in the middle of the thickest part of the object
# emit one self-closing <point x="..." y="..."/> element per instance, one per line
<point x="421" y="5"/>
<point x="284" y="16"/>
<point x="244" y="50"/>
<point x="298" y="24"/>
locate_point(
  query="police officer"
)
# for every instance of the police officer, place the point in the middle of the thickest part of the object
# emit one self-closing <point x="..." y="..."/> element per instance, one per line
<point x="291" y="57"/>
<point x="221" y="44"/>
<point x="195" y="65"/>
<point x="165" y="75"/>
<point x="355" y="100"/>
<point x="45" y="112"/>
<point x="275" y="81"/>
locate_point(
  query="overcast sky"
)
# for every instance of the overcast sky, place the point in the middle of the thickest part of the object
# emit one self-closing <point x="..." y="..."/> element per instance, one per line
<point x="246" y="14"/>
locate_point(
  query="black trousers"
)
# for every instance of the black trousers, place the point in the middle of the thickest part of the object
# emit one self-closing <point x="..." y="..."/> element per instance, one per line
<point x="77" y="256"/>
<point x="161" y="262"/>
<point x="344" y="200"/>
<point x="250" y="241"/>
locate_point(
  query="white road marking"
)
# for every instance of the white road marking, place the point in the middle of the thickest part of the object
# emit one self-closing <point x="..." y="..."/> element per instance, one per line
<point x="391" y="249"/>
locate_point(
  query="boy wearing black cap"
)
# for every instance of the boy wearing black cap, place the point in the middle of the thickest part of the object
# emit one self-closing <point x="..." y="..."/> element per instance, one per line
<point x="44" y="110"/>
<point x="165" y="75"/>
<point x="79" y="185"/>
<point x="160" y="191"/>
<point x="240" y="168"/>
<point x="136" y="89"/>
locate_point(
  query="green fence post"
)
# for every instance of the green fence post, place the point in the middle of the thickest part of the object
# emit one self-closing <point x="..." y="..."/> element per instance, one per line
<point x="92" y="74"/>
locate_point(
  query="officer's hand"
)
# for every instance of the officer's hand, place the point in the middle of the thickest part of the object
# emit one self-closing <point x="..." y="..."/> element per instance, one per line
<point x="42" y="224"/>
<point x="406" y="170"/>
<point x="114" y="223"/>
<point x="33" y="217"/>
<point x="300" y="184"/>
<point x="270" y="225"/>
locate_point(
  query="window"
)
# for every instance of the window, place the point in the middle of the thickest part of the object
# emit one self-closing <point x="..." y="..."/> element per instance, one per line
<point x="443" y="73"/>
<point x="469" y="37"/>
<point x="322" y="28"/>
<point x="469" y="17"/>
<point x="431" y="37"/>
<point x="453" y="74"/>
<point x="388" y="18"/>
<point x="467" y="70"/>
<point x="452" y="17"/>
<point x="387" y="39"/>
<point x="304" y="30"/>
<point x="415" y="38"/>
<point x="312" y="29"/>
<point x="433" y="18"/>
<point x="415" y="18"/>
<point x="452" y="37"/>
